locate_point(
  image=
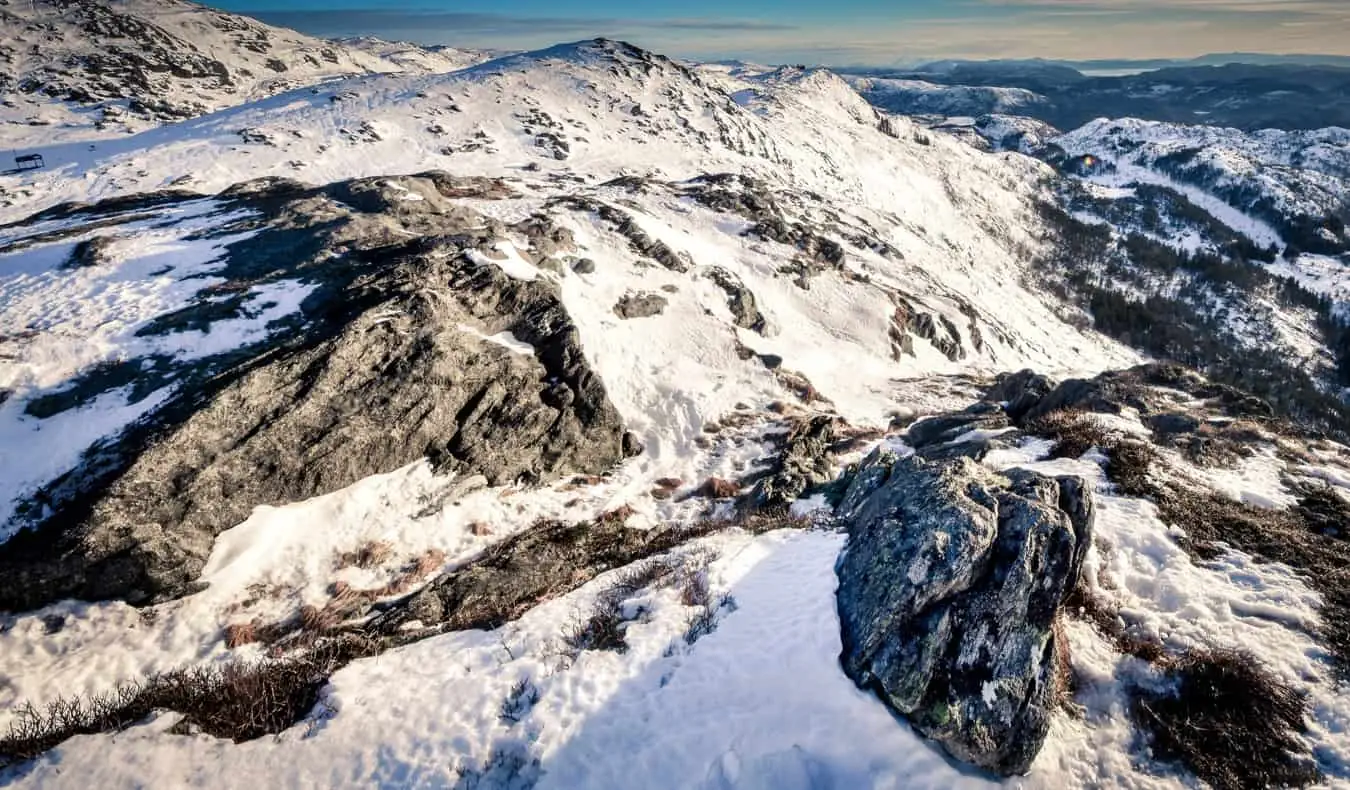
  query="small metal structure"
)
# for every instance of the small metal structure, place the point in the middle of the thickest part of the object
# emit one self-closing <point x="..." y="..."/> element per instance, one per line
<point x="29" y="162"/>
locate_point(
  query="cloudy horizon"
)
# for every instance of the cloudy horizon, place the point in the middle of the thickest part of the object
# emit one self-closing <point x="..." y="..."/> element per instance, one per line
<point x="856" y="32"/>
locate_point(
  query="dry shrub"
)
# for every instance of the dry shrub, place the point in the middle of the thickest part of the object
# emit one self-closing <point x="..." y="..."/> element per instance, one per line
<point x="1128" y="464"/>
<point x="240" y="634"/>
<point x="760" y="521"/>
<point x="1324" y="511"/>
<point x="603" y="627"/>
<point x="705" y="620"/>
<point x="1065" y="679"/>
<point x="522" y="698"/>
<point x="619" y="515"/>
<point x="695" y="590"/>
<point x="1230" y="721"/>
<point x="717" y="488"/>
<point x="1104" y="616"/>
<point x="368" y="555"/>
<point x="240" y="701"/>
<point x="1074" y="432"/>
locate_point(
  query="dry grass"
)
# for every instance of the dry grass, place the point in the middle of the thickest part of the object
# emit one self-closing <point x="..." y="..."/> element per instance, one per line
<point x="1128" y="464"/>
<point x="239" y="701"/>
<point x="1074" y="432"/>
<point x="1230" y="722"/>
<point x="603" y="627"/>
<point x="369" y="555"/>
<point x="311" y="623"/>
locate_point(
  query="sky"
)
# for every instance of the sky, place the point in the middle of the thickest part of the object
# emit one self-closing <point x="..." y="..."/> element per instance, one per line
<point x="842" y="32"/>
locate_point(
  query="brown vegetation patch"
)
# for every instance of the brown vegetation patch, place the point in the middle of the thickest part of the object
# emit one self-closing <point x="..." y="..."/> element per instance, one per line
<point x="1293" y="537"/>
<point x="1230" y="721"/>
<point x="368" y="555"/>
<point x="240" y="701"/>
<point x="1074" y="432"/>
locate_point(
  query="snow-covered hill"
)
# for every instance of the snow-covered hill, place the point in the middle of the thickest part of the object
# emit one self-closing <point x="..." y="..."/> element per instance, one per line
<point x="117" y="67"/>
<point x="518" y="406"/>
<point x="1296" y="181"/>
<point x="917" y="97"/>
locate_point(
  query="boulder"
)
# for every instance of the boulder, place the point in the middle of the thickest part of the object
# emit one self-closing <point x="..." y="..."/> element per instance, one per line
<point x="1019" y="392"/>
<point x="740" y="301"/>
<point x="1171" y="423"/>
<point x="947" y="596"/>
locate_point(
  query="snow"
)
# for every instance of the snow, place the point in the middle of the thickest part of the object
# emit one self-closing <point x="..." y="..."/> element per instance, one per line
<point x="1233" y="601"/>
<point x="508" y="260"/>
<point x="504" y="339"/>
<point x="50" y="46"/>
<point x="1296" y="172"/>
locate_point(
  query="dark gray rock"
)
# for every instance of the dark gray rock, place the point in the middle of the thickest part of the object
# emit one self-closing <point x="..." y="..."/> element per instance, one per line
<point x="623" y="224"/>
<point x="802" y="463"/>
<point x="90" y="252"/>
<point x="642" y="305"/>
<point x="584" y="266"/>
<point x="948" y="591"/>
<point x="375" y="372"/>
<point x="1019" y="392"/>
<point x="933" y="432"/>
<point x="1173" y="423"/>
<point x="744" y="310"/>
<point x="908" y="322"/>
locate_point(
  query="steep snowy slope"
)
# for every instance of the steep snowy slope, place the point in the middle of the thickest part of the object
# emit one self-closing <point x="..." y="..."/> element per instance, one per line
<point x="80" y="68"/>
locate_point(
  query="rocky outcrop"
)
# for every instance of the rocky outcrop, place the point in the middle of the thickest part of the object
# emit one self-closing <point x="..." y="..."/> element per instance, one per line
<point x="966" y="432"/>
<point x="744" y="310"/>
<point x="948" y="592"/>
<point x="1149" y="389"/>
<point x="638" y="239"/>
<point x="389" y="360"/>
<point x="908" y="322"/>
<point x="803" y="462"/>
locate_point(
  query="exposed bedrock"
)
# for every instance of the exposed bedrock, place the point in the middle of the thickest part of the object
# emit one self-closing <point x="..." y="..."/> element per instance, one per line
<point x="393" y="357"/>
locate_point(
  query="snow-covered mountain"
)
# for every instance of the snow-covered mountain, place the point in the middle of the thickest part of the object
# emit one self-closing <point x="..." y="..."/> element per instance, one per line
<point x="119" y="66"/>
<point x="503" y="428"/>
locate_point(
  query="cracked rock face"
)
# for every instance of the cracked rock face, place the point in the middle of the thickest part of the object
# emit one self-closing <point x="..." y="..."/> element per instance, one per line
<point x="947" y="596"/>
<point x="389" y="360"/>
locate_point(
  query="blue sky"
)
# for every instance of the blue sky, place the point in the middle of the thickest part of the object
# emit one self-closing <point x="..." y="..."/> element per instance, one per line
<point x="843" y="31"/>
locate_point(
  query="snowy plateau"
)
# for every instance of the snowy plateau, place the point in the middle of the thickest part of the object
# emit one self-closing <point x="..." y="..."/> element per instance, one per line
<point x="380" y="416"/>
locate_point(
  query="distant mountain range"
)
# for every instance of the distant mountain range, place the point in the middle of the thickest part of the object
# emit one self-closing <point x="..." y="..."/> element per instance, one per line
<point x="1285" y="95"/>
